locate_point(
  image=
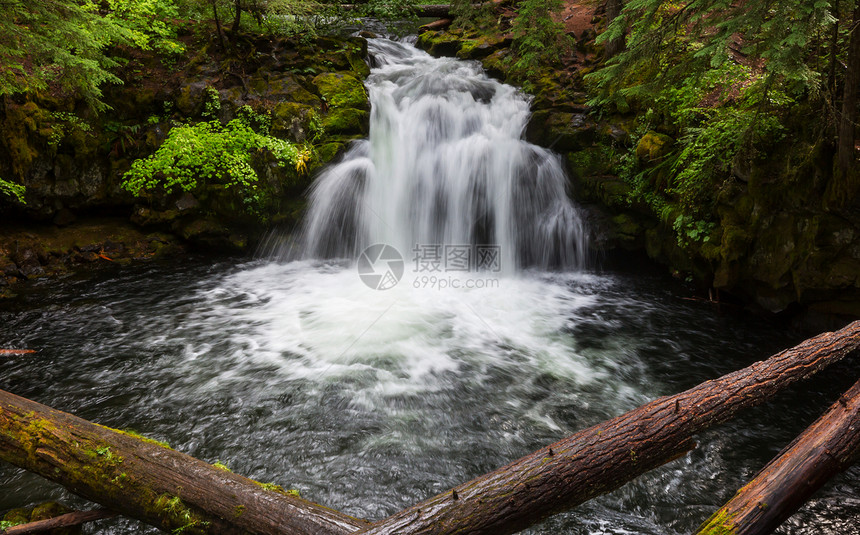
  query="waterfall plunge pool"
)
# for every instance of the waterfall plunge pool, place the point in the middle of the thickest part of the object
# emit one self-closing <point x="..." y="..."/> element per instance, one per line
<point x="291" y="369"/>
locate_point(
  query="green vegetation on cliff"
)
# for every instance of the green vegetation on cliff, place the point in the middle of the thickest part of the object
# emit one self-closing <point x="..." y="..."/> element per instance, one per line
<point x="209" y="154"/>
<point x="728" y="82"/>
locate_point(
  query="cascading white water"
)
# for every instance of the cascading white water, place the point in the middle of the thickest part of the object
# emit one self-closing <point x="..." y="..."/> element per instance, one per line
<point x="444" y="165"/>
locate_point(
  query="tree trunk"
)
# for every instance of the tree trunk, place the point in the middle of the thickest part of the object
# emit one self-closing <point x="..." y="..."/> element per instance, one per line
<point x="238" y="20"/>
<point x="604" y="457"/>
<point x="441" y="24"/>
<point x="827" y="447"/>
<point x="613" y="46"/>
<point x="844" y="184"/>
<point x="148" y="481"/>
<point x="218" y="25"/>
<point x="834" y="52"/>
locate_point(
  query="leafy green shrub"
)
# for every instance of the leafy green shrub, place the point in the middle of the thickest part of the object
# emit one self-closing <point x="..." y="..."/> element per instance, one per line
<point x="208" y="153"/>
<point x="12" y="190"/>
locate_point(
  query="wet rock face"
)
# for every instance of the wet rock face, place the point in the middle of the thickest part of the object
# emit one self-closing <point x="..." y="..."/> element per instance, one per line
<point x="45" y="250"/>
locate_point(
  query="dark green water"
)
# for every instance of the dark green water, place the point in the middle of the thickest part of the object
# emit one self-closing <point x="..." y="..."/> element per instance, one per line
<point x="369" y="401"/>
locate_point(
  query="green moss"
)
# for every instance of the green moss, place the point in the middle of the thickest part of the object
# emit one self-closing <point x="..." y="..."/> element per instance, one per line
<point x="221" y="466"/>
<point x="327" y="152"/>
<point x="292" y="120"/>
<point x="272" y="487"/>
<point x="721" y="523"/>
<point x="176" y="513"/>
<point x="626" y="228"/>
<point x="287" y="88"/>
<point x="653" y="147"/>
<point x="16" y="517"/>
<point x="135" y="434"/>
<point x="341" y="90"/>
<point x="47" y="510"/>
<point x="238" y="511"/>
<point x="346" y="121"/>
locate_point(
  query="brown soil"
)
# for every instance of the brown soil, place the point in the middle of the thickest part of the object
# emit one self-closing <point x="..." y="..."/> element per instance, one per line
<point x="578" y="16"/>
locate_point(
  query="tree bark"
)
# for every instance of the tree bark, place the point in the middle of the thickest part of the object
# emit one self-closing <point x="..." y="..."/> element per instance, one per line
<point x="63" y="521"/>
<point x="148" y="481"/>
<point x="827" y="447"/>
<point x="218" y="25"/>
<point x="436" y="25"/>
<point x="834" y="51"/>
<point x="613" y="46"/>
<point x="238" y="19"/>
<point x="844" y="184"/>
<point x="604" y="457"/>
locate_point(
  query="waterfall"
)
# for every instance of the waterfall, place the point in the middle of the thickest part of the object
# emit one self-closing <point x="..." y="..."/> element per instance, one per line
<point x="445" y="165"/>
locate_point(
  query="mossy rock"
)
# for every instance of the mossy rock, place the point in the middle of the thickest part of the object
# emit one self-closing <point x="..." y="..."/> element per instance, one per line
<point x="346" y="121"/>
<point x="211" y="235"/>
<point x="288" y="88"/>
<point x="615" y="192"/>
<point x="328" y="152"/>
<point x="342" y="91"/>
<point x="561" y="131"/>
<point x="734" y="243"/>
<point x="18" y="516"/>
<point x="48" y="510"/>
<point x="773" y="252"/>
<point x="595" y="160"/>
<point x="482" y="46"/>
<point x="626" y="228"/>
<point x="441" y="43"/>
<point x="653" y="147"/>
<point x="190" y="99"/>
<point x="496" y="64"/>
<point x="291" y="120"/>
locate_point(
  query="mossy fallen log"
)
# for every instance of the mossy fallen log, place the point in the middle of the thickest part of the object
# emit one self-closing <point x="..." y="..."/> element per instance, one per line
<point x="606" y="456"/>
<point x="826" y="448"/>
<point x="147" y="480"/>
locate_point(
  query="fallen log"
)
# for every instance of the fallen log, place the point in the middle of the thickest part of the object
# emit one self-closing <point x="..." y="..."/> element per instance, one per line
<point x="16" y="352"/>
<point x="604" y="457"/>
<point x="428" y="10"/>
<point x="827" y="447"/>
<point x="436" y="25"/>
<point x="146" y="480"/>
<point x="63" y="521"/>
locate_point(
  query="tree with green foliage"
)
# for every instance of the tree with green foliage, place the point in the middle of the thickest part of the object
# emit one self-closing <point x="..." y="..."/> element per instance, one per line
<point x="62" y="42"/>
<point x="63" y="45"/>
<point x="538" y="37"/>
<point x="724" y="78"/>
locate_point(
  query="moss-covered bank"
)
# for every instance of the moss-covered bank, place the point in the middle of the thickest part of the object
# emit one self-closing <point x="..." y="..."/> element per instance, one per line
<point x="72" y="160"/>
